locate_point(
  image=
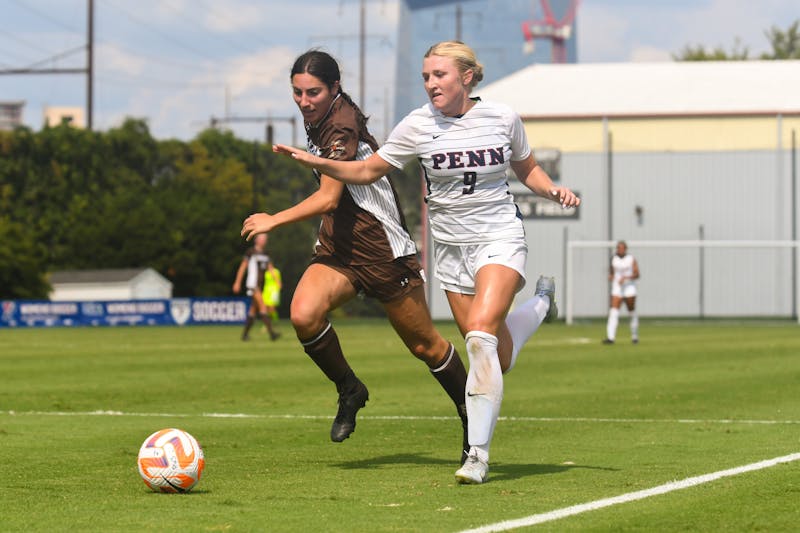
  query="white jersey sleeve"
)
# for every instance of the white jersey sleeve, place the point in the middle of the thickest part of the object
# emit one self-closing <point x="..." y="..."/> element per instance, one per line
<point x="401" y="146"/>
<point x="520" y="149"/>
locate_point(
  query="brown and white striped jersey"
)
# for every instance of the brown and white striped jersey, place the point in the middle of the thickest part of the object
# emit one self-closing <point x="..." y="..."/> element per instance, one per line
<point x="368" y="225"/>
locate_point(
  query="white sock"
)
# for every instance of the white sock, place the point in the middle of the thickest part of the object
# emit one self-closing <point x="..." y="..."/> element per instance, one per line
<point x="634" y="325"/>
<point x="613" y="321"/>
<point x="484" y="389"/>
<point x="523" y="322"/>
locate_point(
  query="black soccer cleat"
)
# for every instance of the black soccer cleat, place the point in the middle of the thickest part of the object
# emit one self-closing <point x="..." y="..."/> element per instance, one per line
<point x="350" y="402"/>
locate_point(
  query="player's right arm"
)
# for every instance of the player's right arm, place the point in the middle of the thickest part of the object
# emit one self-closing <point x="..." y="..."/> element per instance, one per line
<point x="323" y="200"/>
<point x="354" y="172"/>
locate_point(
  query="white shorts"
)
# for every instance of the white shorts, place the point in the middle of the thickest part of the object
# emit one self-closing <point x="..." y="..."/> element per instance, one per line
<point x="457" y="265"/>
<point x="624" y="290"/>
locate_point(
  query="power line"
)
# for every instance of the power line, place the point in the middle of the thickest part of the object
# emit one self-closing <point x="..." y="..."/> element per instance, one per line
<point x="16" y="58"/>
<point x="61" y="55"/>
<point x="223" y="15"/>
<point x="200" y="24"/>
<point x="45" y="16"/>
<point x="187" y="65"/>
<point x="149" y="27"/>
<point x="25" y="42"/>
<point x="158" y="84"/>
<point x="158" y="60"/>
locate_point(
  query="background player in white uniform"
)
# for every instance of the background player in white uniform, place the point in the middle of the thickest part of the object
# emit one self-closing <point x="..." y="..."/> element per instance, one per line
<point x="622" y="274"/>
<point x="254" y="263"/>
<point x="465" y="147"/>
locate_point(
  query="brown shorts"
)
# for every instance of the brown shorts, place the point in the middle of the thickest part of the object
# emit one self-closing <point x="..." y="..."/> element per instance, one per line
<point x="382" y="281"/>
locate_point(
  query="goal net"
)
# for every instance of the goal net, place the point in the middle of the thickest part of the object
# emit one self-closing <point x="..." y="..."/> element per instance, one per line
<point x="691" y="279"/>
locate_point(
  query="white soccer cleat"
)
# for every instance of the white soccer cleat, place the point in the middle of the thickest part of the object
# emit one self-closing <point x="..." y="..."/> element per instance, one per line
<point x="546" y="286"/>
<point x="473" y="472"/>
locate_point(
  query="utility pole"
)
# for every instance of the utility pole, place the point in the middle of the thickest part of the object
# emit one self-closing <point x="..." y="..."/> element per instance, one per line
<point x="268" y="120"/>
<point x="88" y="69"/>
<point x="459" y="16"/>
<point x="362" y="37"/>
<point x="90" y="65"/>
<point x="459" y="20"/>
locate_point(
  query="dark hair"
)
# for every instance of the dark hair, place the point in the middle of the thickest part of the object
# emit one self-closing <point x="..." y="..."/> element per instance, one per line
<point x="323" y="66"/>
<point x="320" y="65"/>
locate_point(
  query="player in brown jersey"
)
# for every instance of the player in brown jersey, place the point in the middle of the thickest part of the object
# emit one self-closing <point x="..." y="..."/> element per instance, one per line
<point x="363" y="246"/>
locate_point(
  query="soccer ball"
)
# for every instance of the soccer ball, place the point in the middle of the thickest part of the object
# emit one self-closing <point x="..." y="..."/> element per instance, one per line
<point x="171" y="460"/>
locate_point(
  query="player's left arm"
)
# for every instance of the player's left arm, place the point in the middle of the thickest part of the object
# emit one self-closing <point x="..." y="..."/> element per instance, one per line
<point x="533" y="176"/>
<point x="362" y="172"/>
<point x="635" y="274"/>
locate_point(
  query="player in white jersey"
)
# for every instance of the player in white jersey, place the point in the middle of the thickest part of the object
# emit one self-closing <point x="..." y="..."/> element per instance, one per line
<point x="466" y="148"/>
<point x="251" y="270"/>
<point x="623" y="273"/>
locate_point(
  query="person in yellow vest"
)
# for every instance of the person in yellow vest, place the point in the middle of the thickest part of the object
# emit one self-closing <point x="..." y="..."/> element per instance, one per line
<point x="272" y="290"/>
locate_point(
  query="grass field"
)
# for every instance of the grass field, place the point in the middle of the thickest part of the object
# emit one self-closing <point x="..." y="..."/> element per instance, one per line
<point x="581" y="422"/>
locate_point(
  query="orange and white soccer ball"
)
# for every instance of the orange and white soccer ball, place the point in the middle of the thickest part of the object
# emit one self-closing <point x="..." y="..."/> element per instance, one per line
<point x="171" y="460"/>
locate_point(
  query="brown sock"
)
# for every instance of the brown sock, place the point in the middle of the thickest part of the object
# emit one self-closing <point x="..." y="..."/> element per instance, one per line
<point x="452" y="376"/>
<point x="325" y="351"/>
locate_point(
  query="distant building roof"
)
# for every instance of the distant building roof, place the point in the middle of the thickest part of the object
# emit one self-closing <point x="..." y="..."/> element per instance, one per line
<point x="110" y="275"/>
<point x="650" y="89"/>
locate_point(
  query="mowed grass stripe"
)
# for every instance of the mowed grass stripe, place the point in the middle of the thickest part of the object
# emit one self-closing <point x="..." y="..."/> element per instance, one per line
<point x="287" y="416"/>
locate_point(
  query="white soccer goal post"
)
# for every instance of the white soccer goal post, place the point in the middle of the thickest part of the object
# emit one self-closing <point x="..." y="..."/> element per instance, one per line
<point x="689" y="278"/>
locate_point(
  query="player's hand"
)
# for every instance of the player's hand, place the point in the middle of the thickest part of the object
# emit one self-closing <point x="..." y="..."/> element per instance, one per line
<point x="301" y="156"/>
<point x="564" y="196"/>
<point x="257" y="223"/>
<point x="236" y="288"/>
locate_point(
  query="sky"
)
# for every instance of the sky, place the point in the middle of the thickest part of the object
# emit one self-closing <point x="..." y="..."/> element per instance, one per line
<point x="178" y="63"/>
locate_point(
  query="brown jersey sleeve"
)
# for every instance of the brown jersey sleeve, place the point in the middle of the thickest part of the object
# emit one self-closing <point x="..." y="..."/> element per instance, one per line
<point x="338" y="139"/>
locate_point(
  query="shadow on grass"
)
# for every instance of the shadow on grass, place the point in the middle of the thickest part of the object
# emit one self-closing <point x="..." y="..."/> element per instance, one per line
<point x="508" y="471"/>
<point x="394" y="459"/>
<point x="499" y="471"/>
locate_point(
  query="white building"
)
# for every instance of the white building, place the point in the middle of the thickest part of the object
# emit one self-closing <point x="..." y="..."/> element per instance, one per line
<point x="109" y="284"/>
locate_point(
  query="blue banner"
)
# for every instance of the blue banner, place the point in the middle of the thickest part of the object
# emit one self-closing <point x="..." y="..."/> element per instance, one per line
<point x="176" y="311"/>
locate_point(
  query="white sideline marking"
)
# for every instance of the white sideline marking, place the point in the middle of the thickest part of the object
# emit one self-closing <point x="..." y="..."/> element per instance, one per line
<point x="631" y="496"/>
<point x="408" y="417"/>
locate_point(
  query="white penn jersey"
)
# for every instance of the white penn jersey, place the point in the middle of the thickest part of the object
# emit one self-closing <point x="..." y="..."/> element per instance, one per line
<point x="466" y="161"/>
<point x="622" y="268"/>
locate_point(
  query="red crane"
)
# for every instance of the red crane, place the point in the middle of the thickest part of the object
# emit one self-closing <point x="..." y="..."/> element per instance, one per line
<point x="558" y="31"/>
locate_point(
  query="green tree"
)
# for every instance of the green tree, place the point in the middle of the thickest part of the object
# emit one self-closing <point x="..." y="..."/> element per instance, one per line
<point x="22" y="268"/>
<point x="785" y="45"/>
<point x="701" y="53"/>
<point x="77" y="199"/>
